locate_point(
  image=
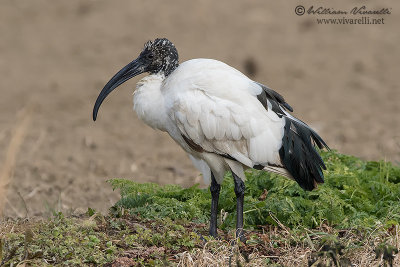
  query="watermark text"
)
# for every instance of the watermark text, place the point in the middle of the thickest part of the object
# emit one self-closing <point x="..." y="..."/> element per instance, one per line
<point x="353" y="15"/>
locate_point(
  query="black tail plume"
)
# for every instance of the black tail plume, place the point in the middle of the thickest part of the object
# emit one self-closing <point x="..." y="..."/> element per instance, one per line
<point x="299" y="155"/>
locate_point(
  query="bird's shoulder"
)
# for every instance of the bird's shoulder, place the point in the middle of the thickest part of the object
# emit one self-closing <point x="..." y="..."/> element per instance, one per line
<point x="212" y="69"/>
<point x="212" y="77"/>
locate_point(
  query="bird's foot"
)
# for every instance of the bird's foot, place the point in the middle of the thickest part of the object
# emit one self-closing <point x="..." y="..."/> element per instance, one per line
<point x="201" y="237"/>
<point x="213" y="234"/>
<point x="207" y="238"/>
<point x="240" y="235"/>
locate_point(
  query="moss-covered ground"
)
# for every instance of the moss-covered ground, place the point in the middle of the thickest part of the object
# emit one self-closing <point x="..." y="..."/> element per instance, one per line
<point x="353" y="218"/>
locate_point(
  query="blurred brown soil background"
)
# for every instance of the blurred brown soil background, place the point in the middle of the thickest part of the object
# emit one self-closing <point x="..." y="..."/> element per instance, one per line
<point x="55" y="57"/>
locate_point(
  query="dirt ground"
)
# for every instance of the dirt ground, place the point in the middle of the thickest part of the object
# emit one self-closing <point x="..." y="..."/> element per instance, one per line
<point x="55" y="57"/>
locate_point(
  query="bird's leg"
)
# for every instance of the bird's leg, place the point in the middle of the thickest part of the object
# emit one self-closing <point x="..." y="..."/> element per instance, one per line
<point x="239" y="191"/>
<point x="214" y="188"/>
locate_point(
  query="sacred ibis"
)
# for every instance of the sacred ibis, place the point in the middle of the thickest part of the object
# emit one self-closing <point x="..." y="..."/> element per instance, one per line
<point x="222" y="119"/>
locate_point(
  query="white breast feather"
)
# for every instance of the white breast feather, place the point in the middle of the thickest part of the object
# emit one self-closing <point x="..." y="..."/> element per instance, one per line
<point x="148" y="102"/>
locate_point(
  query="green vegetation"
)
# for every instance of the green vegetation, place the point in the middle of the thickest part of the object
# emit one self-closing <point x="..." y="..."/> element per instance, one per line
<point x="94" y="240"/>
<point x="353" y="217"/>
<point x="356" y="194"/>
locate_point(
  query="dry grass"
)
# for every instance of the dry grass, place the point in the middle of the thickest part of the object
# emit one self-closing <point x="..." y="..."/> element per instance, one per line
<point x="7" y="170"/>
<point x="219" y="253"/>
<point x="348" y="247"/>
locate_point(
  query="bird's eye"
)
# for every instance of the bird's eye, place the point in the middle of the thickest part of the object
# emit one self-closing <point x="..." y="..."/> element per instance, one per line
<point x="150" y="56"/>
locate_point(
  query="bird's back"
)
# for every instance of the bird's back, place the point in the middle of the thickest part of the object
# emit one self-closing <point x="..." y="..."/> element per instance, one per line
<point x="213" y="76"/>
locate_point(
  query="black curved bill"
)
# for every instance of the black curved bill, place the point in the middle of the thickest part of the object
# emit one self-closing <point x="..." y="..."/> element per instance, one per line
<point x="129" y="71"/>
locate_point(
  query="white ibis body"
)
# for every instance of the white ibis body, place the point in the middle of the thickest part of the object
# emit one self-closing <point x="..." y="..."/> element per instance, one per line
<point x="222" y="119"/>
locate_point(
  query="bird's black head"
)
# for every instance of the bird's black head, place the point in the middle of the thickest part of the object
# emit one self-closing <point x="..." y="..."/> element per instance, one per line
<point x="158" y="56"/>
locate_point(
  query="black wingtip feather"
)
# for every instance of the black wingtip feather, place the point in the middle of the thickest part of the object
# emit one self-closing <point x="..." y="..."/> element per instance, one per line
<point x="288" y="107"/>
<point x="299" y="155"/>
<point x="275" y="97"/>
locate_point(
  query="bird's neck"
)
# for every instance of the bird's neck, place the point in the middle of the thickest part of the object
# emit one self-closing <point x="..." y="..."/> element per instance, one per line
<point x="170" y="68"/>
<point x="167" y="68"/>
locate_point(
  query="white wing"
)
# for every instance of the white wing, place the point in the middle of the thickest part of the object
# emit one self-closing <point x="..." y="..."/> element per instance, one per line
<point x="216" y="109"/>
